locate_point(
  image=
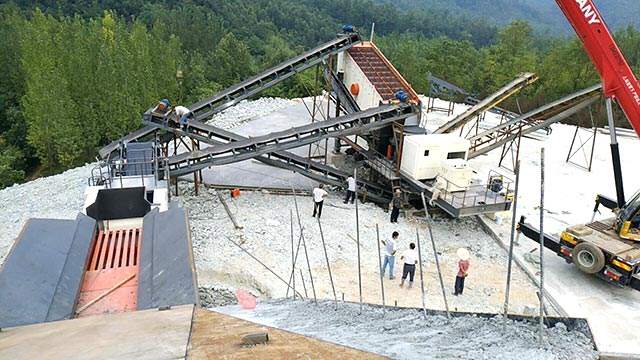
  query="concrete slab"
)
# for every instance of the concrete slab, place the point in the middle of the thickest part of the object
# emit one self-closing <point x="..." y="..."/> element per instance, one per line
<point x="612" y="312"/>
<point x="217" y="336"/>
<point x="140" y="335"/>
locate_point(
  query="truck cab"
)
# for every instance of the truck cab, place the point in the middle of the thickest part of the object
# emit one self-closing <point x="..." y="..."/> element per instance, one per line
<point x="628" y="220"/>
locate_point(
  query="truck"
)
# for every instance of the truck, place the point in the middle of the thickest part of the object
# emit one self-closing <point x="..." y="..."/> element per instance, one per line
<point x="610" y="248"/>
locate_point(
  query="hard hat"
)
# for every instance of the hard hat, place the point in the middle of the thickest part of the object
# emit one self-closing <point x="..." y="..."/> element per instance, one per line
<point x="463" y="254"/>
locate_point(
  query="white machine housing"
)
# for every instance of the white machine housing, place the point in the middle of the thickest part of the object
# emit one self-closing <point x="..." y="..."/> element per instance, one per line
<point x="425" y="157"/>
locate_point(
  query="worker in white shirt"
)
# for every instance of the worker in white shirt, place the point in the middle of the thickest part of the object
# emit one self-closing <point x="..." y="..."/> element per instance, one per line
<point x="182" y="115"/>
<point x="351" y="190"/>
<point x="318" y="199"/>
<point x="410" y="258"/>
<point x="390" y="254"/>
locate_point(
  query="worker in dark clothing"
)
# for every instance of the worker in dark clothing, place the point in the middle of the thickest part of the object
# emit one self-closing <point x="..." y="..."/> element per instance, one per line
<point x="463" y="271"/>
<point x="395" y="205"/>
<point x="410" y="259"/>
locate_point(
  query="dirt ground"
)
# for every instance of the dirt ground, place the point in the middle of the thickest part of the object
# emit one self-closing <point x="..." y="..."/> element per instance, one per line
<point x="266" y="234"/>
<point x="484" y="292"/>
<point x="218" y="336"/>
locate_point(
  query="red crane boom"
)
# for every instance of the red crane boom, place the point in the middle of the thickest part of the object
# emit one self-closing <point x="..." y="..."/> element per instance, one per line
<point x="618" y="80"/>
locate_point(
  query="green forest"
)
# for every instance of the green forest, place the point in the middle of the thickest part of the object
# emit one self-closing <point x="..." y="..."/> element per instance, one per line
<point x="78" y="74"/>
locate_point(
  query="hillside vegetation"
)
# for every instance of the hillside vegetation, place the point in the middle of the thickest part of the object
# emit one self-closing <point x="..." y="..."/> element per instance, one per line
<point x="78" y="74"/>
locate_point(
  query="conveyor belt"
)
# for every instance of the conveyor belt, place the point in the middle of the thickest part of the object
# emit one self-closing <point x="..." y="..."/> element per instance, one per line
<point x="533" y="120"/>
<point x="282" y="159"/>
<point x="114" y="145"/>
<point x="318" y="172"/>
<point x="231" y="96"/>
<point x="488" y="103"/>
<point x="283" y="140"/>
<point x="348" y="103"/>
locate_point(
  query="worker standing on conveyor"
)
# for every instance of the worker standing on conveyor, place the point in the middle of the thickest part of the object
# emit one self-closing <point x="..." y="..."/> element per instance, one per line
<point x="182" y="115"/>
<point x="318" y="199"/>
<point x="390" y="254"/>
<point x="351" y="190"/>
<point x="410" y="258"/>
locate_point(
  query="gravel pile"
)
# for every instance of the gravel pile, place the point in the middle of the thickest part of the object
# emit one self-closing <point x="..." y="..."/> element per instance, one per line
<point x="213" y="296"/>
<point x="58" y="197"/>
<point x="268" y="225"/>
<point x="246" y="111"/>
<point x="406" y="334"/>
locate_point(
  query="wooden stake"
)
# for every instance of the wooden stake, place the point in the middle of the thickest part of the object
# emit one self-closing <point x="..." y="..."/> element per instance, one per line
<point x="226" y="208"/>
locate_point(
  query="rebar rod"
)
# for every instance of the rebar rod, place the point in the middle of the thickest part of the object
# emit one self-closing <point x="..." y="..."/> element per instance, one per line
<point x="304" y="246"/>
<point x="435" y="254"/>
<point x="541" y="247"/>
<point x="260" y="262"/>
<point x="304" y="285"/>
<point x="293" y="260"/>
<point x="380" y="266"/>
<point x="355" y="177"/>
<point x="424" y="308"/>
<point x="512" y="241"/>
<point x="326" y="257"/>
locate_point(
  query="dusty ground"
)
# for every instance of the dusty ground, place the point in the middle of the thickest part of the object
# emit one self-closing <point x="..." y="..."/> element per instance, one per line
<point x="217" y="336"/>
<point x="266" y="234"/>
<point x="407" y="334"/>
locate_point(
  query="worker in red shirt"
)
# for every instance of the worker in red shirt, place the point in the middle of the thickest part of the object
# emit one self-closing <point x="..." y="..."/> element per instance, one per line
<point x="463" y="271"/>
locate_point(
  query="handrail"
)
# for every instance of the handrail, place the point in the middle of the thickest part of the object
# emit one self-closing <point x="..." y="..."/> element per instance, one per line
<point x="453" y="195"/>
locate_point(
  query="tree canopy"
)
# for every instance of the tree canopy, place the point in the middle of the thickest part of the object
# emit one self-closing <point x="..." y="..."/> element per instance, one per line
<point x="78" y="74"/>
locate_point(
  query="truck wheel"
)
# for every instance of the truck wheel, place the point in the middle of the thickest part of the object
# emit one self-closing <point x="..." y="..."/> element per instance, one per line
<point x="588" y="258"/>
